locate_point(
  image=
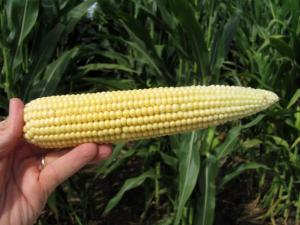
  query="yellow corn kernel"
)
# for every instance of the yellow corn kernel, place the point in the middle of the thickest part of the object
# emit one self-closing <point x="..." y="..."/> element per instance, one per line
<point x="69" y="120"/>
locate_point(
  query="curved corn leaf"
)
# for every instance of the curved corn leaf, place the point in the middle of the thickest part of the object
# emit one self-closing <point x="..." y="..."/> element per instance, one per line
<point x="253" y="122"/>
<point x="53" y="74"/>
<point x="74" y="15"/>
<point x="239" y="170"/>
<point x="128" y="185"/>
<point x="294" y="99"/>
<point x="282" y="47"/>
<point x="229" y="144"/>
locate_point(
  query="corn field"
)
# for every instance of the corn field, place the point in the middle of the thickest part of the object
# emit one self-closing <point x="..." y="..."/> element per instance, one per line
<point x="245" y="172"/>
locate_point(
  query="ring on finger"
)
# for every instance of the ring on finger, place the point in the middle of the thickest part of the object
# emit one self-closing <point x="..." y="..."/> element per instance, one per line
<point x="42" y="162"/>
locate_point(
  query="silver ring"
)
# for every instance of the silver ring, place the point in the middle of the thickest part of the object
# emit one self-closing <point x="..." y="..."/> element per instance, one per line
<point x="42" y="162"/>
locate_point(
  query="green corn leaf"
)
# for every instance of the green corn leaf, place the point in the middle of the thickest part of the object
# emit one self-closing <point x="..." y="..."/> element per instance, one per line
<point x="251" y="143"/>
<point x="28" y="18"/>
<point x="52" y="203"/>
<point x="45" y="48"/>
<point x="115" y="163"/>
<point x="167" y="220"/>
<point x="221" y="46"/>
<point x="24" y="16"/>
<point x="42" y="54"/>
<point x="128" y="185"/>
<point x="185" y="15"/>
<point x="294" y="99"/>
<point x="73" y="16"/>
<point x="169" y="160"/>
<point x="77" y="219"/>
<point x="297" y="117"/>
<point x="53" y="74"/>
<point x="189" y="166"/>
<point x="282" y="47"/>
<point x="139" y="34"/>
<point x="297" y="205"/>
<point x="12" y="8"/>
<point x="114" y="158"/>
<point x="206" y="202"/>
<point x="111" y="83"/>
<point x="116" y="56"/>
<point x="239" y="170"/>
<point x="51" y="10"/>
<point x="106" y="66"/>
<point x="253" y="122"/>
<point x="146" y="56"/>
<point x="55" y="70"/>
<point x="296" y="142"/>
<point x="230" y="143"/>
<point x="280" y="141"/>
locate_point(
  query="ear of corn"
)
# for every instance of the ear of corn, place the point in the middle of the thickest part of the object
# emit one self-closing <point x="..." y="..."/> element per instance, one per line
<point x="109" y="117"/>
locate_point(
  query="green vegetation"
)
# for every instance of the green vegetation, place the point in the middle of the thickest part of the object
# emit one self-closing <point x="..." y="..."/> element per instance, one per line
<point x="247" y="172"/>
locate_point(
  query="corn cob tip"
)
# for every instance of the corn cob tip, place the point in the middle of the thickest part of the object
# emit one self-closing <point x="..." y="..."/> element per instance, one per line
<point x="270" y="98"/>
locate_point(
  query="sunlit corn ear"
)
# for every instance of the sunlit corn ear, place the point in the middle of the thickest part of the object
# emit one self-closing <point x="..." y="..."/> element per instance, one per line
<point x="109" y="117"/>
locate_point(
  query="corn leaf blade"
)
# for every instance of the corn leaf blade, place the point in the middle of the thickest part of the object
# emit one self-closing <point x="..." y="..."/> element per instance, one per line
<point x="53" y="74"/>
<point x="128" y="185"/>
<point x="189" y="166"/>
<point x="207" y="200"/>
<point x="239" y="170"/>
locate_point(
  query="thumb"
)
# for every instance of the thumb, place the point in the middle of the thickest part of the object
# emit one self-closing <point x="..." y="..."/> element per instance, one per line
<point x="11" y="129"/>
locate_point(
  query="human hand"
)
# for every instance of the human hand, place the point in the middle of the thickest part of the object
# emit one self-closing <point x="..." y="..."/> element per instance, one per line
<point x="24" y="184"/>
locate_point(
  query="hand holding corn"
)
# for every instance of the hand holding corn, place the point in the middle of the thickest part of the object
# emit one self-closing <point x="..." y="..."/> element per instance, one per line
<point x="25" y="183"/>
<point x="109" y="117"/>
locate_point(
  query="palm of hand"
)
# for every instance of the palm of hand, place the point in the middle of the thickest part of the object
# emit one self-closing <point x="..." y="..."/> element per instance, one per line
<point x="24" y="185"/>
<point x="22" y="192"/>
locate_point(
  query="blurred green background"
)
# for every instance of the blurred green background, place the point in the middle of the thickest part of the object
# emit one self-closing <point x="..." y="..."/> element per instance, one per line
<point x="246" y="172"/>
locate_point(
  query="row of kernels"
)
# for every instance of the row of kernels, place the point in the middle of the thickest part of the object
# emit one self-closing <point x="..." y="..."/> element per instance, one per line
<point x="98" y="125"/>
<point x="119" y="137"/>
<point x="77" y="135"/>
<point x="112" y="97"/>
<point x="111" y="118"/>
<point x="115" y="109"/>
<point x="65" y="107"/>
<point x="171" y="124"/>
<point x="133" y="126"/>
<point x="112" y="114"/>
<point x="74" y="142"/>
<point x="72" y="119"/>
<point x="115" y="113"/>
<point x="59" y="134"/>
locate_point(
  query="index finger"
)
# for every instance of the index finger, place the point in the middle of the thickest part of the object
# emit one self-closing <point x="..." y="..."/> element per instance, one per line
<point x="68" y="164"/>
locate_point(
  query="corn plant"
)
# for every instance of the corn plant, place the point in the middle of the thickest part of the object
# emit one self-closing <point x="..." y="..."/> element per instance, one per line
<point x="268" y="51"/>
<point x="34" y="55"/>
